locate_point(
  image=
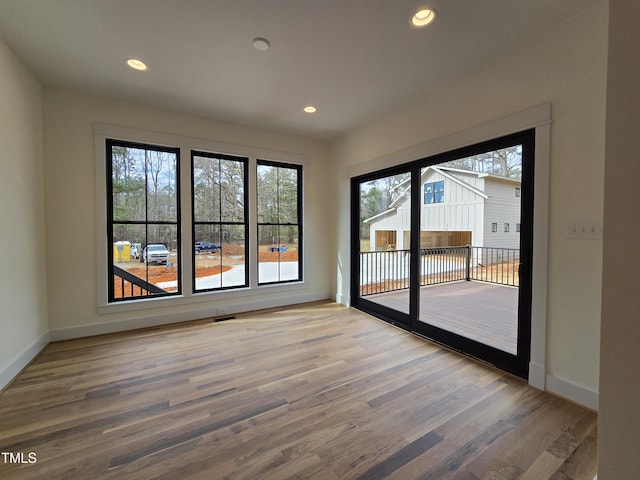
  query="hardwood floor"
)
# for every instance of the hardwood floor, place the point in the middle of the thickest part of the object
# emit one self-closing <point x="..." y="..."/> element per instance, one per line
<point x="311" y="392"/>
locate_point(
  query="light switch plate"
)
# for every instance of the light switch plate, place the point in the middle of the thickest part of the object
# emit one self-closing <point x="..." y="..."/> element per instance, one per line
<point x="585" y="230"/>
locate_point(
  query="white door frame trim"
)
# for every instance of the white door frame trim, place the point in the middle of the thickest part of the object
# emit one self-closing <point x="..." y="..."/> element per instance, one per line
<point x="538" y="118"/>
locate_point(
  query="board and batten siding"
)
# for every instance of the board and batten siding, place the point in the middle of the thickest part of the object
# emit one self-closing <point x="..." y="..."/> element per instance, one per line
<point x="462" y="209"/>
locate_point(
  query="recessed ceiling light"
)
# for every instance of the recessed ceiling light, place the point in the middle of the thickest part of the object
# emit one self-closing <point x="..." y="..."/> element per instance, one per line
<point x="136" y="64"/>
<point x="261" y="44"/>
<point x="423" y="17"/>
<point x="310" y="109"/>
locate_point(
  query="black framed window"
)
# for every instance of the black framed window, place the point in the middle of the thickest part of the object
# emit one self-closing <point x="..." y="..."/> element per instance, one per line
<point x="434" y="192"/>
<point x="506" y="228"/>
<point x="143" y="220"/>
<point x="494" y="227"/>
<point x="279" y="201"/>
<point x="220" y="221"/>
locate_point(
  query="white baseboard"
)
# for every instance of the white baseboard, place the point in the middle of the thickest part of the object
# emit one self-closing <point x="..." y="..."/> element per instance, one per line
<point x="537" y="376"/>
<point x="165" y="319"/>
<point x="342" y="300"/>
<point x="123" y="325"/>
<point x="573" y="392"/>
<point x="8" y="373"/>
<point x="558" y="386"/>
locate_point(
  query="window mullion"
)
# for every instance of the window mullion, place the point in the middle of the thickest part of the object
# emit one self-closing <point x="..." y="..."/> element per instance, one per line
<point x="186" y="218"/>
<point x="252" y="174"/>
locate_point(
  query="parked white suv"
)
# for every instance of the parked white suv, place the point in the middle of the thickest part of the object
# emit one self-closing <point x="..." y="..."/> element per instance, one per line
<point x="155" y="253"/>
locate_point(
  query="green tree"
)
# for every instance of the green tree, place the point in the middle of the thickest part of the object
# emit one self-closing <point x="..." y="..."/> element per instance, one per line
<point x="377" y="196"/>
<point x="219" y="198"/>
<point x="144" y="189"/>
<point x="277" y="204"/>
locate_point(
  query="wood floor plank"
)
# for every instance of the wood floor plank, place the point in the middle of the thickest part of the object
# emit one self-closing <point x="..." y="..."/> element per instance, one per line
<point x="314" y="391"/>
<point x="578" y="465"/>
<point x="481" y="311"/>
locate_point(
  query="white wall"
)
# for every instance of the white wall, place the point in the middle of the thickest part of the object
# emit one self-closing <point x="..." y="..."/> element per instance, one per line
<point x="566" y="67"/>
<point x="23" y="291"/>
<point x="619" y="418"/>
<point x="69" y="120"/>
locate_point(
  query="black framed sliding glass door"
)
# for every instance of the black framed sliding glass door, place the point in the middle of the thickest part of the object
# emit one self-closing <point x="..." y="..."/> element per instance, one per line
<point x="442" y="246"/>
<point x="381" y="255"/>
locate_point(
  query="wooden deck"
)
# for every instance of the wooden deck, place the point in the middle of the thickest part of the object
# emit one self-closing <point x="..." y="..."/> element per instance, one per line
<point x="485" y="312"/>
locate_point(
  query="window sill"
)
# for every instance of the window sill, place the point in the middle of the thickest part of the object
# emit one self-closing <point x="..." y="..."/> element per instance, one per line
<point x="202" y="298"/>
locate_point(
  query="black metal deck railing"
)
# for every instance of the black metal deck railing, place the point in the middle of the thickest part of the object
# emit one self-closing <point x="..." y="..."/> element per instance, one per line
<point x="495" y="265"/>
<point x="388" y="270"/>
<point x="125" y="284"/>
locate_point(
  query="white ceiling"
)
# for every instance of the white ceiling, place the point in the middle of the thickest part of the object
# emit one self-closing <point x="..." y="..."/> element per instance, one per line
<point x="353" y="59"/>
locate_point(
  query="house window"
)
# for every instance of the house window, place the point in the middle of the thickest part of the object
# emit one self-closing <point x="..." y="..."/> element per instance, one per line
<point x="279" y="199"/>
<point x="506" y="228"/>
<point x="169" y="238"/>
<point x="434" y="192"/>
<point x="517" y="191"/>
<point x="220" y="225"/>
<point x="494" y="227"/>
<point x="143" y="220"/>
<point x="517" y="227"/>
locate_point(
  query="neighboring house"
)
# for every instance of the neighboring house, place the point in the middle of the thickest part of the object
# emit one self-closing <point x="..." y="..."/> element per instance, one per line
<point x="459" y="207"/>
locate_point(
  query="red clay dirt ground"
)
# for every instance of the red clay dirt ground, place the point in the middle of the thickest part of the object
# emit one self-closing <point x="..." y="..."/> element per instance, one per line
<point x="206" y="265"/>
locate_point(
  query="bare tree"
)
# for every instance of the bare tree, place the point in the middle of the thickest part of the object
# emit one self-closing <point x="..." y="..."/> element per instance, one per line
<point x="505" y="162"/>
